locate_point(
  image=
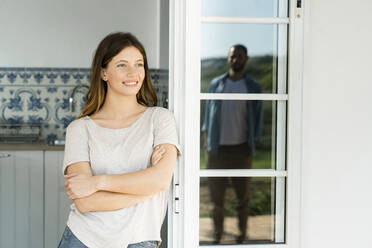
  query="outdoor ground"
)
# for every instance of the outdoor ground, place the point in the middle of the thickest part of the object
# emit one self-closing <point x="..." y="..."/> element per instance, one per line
<point x="260" y="228"/>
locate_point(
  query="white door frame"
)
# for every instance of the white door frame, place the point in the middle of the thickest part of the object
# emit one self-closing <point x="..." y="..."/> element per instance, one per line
<point x="184" y="101"/>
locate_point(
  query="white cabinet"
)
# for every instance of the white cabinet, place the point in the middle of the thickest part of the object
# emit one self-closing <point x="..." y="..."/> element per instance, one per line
<point x="57" y="205"/>
<point x="21" y="199"/>
<point x="33" y="204"/>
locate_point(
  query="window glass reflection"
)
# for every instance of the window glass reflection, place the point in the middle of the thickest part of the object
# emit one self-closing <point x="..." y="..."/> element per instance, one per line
<point x="238" y="134"/>
<point x="246" y="8"/>
<point x="240" y="210"/>
<point x="265" y="53"/>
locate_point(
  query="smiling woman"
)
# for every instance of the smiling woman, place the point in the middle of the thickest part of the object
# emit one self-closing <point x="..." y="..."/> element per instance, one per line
<point x="114" y="64"/>
<point x="128" y="73"/>
<point x="120" y="154"/>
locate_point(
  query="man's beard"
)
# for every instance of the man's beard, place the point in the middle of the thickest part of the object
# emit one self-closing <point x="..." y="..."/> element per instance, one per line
<point x="238" y="69"/>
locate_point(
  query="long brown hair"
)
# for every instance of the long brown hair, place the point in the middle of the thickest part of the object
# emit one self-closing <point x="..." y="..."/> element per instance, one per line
<point x="108" y="48"/>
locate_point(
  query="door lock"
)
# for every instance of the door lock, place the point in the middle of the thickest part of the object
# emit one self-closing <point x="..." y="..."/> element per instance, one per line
<point x="176" y="195"/>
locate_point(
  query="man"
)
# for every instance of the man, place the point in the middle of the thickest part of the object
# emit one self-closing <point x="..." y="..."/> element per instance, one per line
<point x="231" y="129"/>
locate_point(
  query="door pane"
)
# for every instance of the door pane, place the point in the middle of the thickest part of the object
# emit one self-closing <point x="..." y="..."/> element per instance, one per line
<point x="226" y="128"/>
<point x="247" y="8"/>
<point x="265" y="46"/>
<point x="241" y="210"/>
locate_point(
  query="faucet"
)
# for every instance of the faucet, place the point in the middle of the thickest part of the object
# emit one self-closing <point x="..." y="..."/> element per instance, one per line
<point x="71" y="98"/>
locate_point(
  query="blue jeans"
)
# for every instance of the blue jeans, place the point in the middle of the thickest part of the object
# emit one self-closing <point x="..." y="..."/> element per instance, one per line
<point x="69" y="240"/>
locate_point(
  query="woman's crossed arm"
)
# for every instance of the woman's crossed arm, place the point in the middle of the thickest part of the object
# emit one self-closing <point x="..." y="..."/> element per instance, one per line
<point x="100" y="200"/>
<point x="121" y="189"/>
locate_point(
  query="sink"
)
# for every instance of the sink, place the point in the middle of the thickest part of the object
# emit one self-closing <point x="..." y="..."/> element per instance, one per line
<point x="19" y="132"/>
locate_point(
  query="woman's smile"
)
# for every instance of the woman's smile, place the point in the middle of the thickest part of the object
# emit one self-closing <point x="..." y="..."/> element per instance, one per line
<point x="130" y="83"/>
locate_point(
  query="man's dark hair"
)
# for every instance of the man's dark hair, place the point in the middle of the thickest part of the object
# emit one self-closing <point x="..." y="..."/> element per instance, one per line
<point x="240" y="46"/>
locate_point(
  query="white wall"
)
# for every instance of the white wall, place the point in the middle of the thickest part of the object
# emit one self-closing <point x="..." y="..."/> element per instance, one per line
<point x="164" y="34"/>
<point x="55" y="33"/>
<point x="337" y="125"/>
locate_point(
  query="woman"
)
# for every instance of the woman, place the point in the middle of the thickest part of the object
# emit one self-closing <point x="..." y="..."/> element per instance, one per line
<point x="120" y="154"/>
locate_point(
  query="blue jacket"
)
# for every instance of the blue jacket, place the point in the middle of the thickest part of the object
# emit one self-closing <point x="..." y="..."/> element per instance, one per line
<point x="213" y="113"/>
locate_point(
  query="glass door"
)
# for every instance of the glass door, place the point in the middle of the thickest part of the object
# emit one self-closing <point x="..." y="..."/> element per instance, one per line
<point x="243" y="97"/>
<point x="237" y="121"/>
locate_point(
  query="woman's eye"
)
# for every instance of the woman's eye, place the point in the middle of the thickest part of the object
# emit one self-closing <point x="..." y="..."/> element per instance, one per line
<point x="122" y="65"/>
<point x="139" y="65"/>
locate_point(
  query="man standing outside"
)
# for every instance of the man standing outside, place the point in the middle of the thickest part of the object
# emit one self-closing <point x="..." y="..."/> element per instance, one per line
<point x="231" y="129"/>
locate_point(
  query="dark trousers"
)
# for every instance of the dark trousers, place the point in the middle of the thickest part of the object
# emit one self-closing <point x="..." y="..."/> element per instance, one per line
<point x="230" y="157"/>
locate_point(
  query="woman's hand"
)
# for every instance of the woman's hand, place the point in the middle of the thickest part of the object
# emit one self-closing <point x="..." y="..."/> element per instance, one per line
<point x="157" y="154"/>
<point x="80" y="185"/>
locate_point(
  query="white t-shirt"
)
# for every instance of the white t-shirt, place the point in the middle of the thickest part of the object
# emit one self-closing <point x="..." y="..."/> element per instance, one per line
<point x="114" y="151"/>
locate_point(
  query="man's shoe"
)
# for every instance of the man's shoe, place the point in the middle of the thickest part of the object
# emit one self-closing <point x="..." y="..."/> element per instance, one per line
<point x="240" y="239"/>
<point x="217" y="238"/>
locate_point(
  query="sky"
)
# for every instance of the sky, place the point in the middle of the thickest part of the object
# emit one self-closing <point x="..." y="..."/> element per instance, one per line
<point x="258" y="38"/>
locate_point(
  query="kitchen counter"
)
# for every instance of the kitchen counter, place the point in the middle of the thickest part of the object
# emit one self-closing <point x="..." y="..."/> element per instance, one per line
<point x="40" y="145"/>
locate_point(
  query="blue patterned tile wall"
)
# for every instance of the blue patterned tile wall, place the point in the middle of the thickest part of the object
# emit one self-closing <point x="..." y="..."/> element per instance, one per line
<point x="41" y="95"/>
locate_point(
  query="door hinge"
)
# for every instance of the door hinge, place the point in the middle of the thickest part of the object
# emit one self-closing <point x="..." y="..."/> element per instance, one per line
<point x="176" y="197"/>
<point x="299" y="8"/>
